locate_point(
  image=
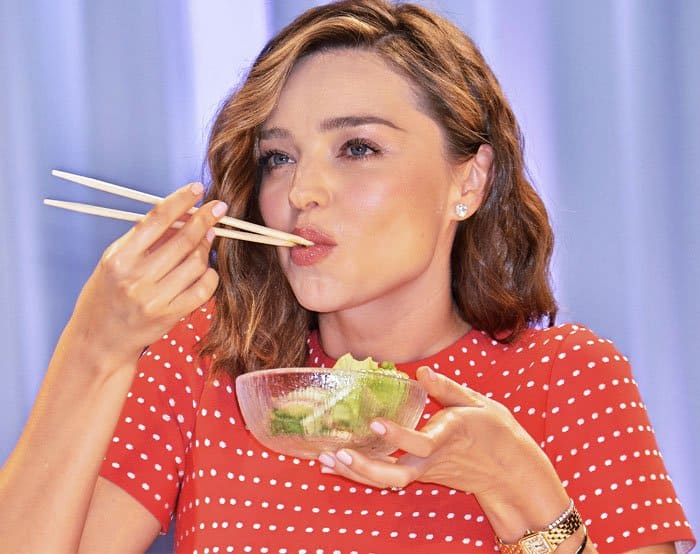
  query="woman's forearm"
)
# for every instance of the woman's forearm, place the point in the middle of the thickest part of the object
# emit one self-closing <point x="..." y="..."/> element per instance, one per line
<point x="47" y="483"/>
<point x="144" y="283"/>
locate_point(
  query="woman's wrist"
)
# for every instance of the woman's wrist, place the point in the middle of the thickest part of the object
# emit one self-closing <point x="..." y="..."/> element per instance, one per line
<point x="511" y="523"/>
<point x="561" y="536"/>
<point x="527" y="498"/>
<point x="80" y="346"/>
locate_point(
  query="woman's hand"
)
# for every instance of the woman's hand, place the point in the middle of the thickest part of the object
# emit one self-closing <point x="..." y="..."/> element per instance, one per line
<point x="148" y="279"/>
<point x="468" y="445"/>
<point x="474" y="444"/>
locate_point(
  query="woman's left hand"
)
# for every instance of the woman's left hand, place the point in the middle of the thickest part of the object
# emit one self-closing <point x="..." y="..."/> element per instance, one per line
<point x="474" y="444"/>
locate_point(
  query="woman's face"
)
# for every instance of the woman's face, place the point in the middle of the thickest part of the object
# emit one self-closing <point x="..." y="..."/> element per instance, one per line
<point x="353" y="164"/>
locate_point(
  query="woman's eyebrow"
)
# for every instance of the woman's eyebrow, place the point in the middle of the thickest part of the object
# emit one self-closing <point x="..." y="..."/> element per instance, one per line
<point x="356" y="121"/>
<point x="274" y="132"/>
<point x="332" y="124"/>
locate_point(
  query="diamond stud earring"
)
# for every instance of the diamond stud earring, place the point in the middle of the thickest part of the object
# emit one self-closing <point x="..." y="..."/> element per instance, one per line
<point x="461" y="210"/>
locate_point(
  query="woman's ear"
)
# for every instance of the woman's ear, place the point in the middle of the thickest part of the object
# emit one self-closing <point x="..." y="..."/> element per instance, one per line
<point x="473" y="181"/>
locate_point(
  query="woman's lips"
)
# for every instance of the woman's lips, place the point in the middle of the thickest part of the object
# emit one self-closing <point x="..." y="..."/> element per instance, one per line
<point x="309" y="255"/>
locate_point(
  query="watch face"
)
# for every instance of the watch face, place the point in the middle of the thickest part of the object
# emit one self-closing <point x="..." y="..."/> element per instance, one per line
<point x="535" y="544"/>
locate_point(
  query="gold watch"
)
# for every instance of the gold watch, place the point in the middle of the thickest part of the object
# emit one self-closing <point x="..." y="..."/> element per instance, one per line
<point x="546" y="540"/>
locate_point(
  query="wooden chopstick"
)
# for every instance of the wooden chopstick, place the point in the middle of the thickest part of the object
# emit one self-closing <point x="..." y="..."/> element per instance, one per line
<point x="132" y="194"/>
<point x="133" y="216"/>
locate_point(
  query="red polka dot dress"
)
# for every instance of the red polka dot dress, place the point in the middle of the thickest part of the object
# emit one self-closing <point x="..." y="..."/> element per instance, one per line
<point x="182" y="450"/>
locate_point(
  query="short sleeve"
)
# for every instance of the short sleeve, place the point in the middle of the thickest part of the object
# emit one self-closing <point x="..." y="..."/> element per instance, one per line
<point x="146" y="456"/>
<point x="601" y="441"/>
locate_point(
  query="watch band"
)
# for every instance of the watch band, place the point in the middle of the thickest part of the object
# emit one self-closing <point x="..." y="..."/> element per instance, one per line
<point x="546" y="540"/>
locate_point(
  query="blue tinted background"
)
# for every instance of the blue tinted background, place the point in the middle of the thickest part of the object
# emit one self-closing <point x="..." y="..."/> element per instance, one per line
<point x="607" y="94"/>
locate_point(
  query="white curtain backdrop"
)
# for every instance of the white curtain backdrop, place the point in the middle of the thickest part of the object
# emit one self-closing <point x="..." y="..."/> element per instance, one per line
<point x="606" y="91"/>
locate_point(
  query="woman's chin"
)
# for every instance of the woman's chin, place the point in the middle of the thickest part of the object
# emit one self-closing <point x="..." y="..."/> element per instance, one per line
<point x="319" y="300"/>
<point x="318" y="305"/>
<point x="326" y="294"/>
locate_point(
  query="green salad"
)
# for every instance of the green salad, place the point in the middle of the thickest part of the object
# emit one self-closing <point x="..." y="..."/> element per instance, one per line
<point x="314" y="410"/>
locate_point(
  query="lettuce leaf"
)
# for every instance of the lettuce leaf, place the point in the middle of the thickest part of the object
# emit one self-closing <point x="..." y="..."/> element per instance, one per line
<point x="315" y="411"/>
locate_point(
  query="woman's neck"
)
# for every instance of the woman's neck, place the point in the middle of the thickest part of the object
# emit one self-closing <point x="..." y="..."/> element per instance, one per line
<point x="393" y="328"/>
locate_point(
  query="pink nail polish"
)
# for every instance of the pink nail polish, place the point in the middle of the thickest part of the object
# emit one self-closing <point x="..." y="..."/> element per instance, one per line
<point x="219" y="209"/>
<point x="196" y="188"/>
<point x="377" y="428"/>
<point x="326" y="460"/>
<point x="344" y="457"/>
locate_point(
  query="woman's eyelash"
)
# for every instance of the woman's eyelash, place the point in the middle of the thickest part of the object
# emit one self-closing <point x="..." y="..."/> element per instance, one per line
<point x="367" y="148"/>
<point x="272" y="158"/>
<point x="353" y="149"/>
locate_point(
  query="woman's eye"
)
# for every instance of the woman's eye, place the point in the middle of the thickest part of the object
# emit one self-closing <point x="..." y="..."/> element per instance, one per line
<point x="359" y="149"/>
<point x="273" y="159"/>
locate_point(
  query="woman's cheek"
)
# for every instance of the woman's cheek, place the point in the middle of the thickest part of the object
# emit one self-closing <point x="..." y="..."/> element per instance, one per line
<point x="272" y="201"/>
<point x="371" y="197"/>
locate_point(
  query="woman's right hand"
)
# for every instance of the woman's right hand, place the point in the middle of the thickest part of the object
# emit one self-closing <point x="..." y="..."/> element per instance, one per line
<point x="147" y="280"/>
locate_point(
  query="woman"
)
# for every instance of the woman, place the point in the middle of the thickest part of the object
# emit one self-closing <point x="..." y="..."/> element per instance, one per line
<point x="379" y="133"/>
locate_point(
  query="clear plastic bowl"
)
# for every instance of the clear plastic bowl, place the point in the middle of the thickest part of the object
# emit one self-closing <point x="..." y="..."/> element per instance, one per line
<point x="303" y="412"/>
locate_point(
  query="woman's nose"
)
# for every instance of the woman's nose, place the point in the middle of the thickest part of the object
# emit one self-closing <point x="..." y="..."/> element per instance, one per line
<point x="309" y="187"/>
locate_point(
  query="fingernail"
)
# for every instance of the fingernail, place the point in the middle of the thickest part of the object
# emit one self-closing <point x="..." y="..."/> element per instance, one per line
<point x="377" y="428"/>
<point x="197" y="188"/>
<point x="430" y="373"/>
<point x="344" y="457"/>
<point x="219" y="209"/>
<point x="326" y="460"/>
<point x="326" y="469"/>
<point x="210" y="235"/>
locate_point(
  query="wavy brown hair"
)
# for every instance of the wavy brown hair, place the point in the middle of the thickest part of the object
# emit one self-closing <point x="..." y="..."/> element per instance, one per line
<point x="500" y="257"/>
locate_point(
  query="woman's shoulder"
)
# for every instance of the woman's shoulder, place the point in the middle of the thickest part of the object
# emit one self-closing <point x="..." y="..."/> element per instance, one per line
<point x="567" y="339"/>
<point x="557" y="332"/>
<point x="535" y="350"/>
<point x="175" y="358"/>
<point x="579" y="360"/>
<point x="570" y="353"/>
